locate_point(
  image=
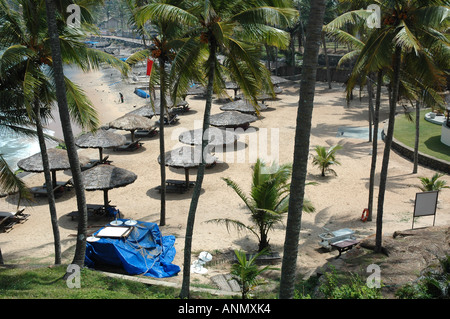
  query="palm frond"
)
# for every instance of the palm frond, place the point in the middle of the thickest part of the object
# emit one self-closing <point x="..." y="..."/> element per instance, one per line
<point x="240" y="193"/>
<point x="10" y="182"/>
<point x="238" y="225"/>
<point x="80" y="107"/>
<point x="165" y="12"/>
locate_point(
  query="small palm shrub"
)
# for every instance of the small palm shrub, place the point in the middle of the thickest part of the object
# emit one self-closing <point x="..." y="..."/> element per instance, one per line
<point x="433" y="183"/>
<point x="325" y="158"/>
<point x="268" y="200"/>
<point x="246" y="272"/>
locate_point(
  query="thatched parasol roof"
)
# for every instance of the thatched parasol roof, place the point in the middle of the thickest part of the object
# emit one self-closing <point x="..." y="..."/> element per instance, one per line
<point x="278" y="80"/>
<point x="186" y="157"/>
<point x="243" y="106"/>
<point x="132" y="122"/>
<point x="216" y="137"/>
<point x="146" y="111"/>
<point x="232" y="119"/>
<point x="231" y="85"/>
<point x="100" y="139"/>
<point x="58" y="161"/>
<point x="106" y="177"/>
<point x="196" y="90"/>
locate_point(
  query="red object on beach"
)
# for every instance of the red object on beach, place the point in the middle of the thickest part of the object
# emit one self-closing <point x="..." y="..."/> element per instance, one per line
<point x="149" y="66"/>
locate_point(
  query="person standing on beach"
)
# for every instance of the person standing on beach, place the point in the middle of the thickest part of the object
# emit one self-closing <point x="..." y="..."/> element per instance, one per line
<point x="121" y="97"/>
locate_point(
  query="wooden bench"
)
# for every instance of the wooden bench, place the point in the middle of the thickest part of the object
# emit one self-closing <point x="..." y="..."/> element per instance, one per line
<point x="179" y="183"/>
<point x="93" y="211"/>
<point x="172" y="189"/>
<point x="344" y="245"/>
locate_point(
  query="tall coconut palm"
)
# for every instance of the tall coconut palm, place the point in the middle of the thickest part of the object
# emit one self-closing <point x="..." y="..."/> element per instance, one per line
<point x="162" y="49"/>
<point x="237" y="30"/>
<point x="301" y="148"/>
<point x="25" y="41"/>
<point x="408" y="28"/>
<point x="267" y="203"/>
<point x="85" y="59"/>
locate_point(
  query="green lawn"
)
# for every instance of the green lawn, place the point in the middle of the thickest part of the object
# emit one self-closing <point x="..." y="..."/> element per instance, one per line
<point x="48" y="283"/>
<point x="430" y="136"/>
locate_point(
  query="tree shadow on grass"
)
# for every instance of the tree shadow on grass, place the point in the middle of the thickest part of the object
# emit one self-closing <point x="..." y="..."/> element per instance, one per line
<point x="434" y="144"/>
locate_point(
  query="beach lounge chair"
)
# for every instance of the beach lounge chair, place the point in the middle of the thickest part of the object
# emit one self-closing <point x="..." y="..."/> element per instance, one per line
<point x="96" y="211"/>
<point x="93" y="163"/>
<point x="130" y="146"/>
<point x="342" y="239"/>
<point x="41" y="191"/>
<point x="60" y="184"/>
<point x="169" y="121"/>
<point x="146" y="133"/>
<point x="9" y="219"/>
<point x="176" y="186"/>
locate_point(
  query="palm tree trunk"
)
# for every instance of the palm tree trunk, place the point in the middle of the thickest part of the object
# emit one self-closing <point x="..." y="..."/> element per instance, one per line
<point x="387" y="148"/>
<point x="373" y="165"/>
<point x="162" y="109"/>
<point x="184" y="293"/>
<point x="416" y="142"/>
<point x="80" y="249"/>
<point x="370" y="93"/>
<point x="327" y="63"/>
<point x="48" y="183"/>
<point x="301" y="148"/>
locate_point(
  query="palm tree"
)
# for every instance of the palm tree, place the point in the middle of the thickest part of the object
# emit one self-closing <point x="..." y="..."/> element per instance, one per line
<point x="87" y="59"/>
<point x="162" y="49"/>
<point x="267" y="203"/>
<point x="408" y="28"/>
<point x="237" y="30"/>
<point x="301" y="148"/>
<point x="24" y="38"/>
<point x="325" y="158"/>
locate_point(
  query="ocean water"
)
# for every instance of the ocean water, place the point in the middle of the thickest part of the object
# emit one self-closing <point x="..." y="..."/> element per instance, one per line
<point x="14" y="147"/>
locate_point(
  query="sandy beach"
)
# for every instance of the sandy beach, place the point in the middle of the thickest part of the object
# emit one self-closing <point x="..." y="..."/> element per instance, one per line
<point x="339" y="200"/>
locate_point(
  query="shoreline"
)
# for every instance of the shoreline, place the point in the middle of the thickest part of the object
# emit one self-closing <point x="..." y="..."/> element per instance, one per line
<point x="339" y="200"/>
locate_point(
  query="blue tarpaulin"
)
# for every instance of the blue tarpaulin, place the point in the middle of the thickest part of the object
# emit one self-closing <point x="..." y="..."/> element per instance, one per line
<point x="143" y="252"/>
<point x="141" y="93"/>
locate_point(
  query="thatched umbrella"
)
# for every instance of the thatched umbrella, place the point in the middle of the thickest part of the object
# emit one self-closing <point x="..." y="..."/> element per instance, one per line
<point x="243" y="106"/>
<point x="278" y="80"/>
<point x="131" y="122"/>
<point x="100" y="139"/>
<point x="232" y="119"/>
<point x="196" y="90"/>
<point x="186" y="157"/>
<point x="57" y="158"/>
<point x="106" y="177"/>
<point x="216" y="137"/>
<point x="232" y="86"/>
<point x="264" y="96"/>
<point x="146" y="111"/>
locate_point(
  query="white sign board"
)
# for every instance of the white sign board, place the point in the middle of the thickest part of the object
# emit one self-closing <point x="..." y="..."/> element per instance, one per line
<point x="425" y="204"/>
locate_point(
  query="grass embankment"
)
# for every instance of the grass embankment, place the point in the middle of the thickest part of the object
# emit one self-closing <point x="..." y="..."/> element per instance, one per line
<point x="48" y="283"/>
<point x="429" y="138"/>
